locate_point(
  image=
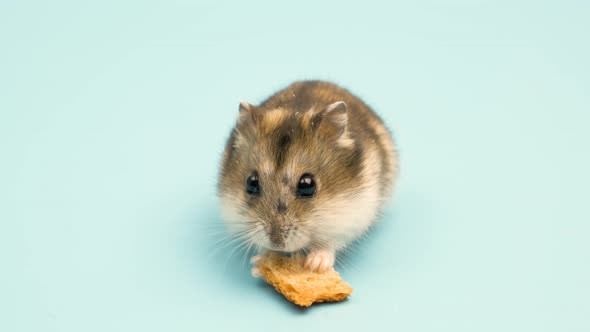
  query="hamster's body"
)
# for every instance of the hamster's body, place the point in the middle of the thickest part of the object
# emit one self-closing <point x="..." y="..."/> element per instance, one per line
<point x="307" y="170"/>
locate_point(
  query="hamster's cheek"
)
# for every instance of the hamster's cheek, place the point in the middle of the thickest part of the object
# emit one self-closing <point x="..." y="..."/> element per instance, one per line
<point x="232" y="209"/>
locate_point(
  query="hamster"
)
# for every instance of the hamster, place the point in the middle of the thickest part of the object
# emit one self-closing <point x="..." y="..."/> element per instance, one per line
<point x="306" y="171"/>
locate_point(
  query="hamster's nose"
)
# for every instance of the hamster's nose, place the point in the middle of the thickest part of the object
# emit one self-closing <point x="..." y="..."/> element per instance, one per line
<point x="276" y="240"/>
<point x="277" y="234"/>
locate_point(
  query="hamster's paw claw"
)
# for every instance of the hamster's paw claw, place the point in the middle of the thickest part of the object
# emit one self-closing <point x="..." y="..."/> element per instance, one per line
<point x="320" y="260"/>
<point x="256" y="272"/>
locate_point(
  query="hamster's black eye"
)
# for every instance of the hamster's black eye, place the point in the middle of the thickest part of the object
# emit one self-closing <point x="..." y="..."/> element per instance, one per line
<point x="252" y="184"/>
<point x="306" y="186"/>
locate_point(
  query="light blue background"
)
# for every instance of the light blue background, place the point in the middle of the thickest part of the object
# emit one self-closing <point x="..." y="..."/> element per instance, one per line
<point x="113" y="116"/>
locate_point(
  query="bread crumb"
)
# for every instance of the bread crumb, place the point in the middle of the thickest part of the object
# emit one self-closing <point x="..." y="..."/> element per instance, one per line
<point x="299" y="285"/>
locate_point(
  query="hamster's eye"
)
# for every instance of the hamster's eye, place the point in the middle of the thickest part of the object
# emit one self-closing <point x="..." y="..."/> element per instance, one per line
<point x="252" y="184"/>
<point x="306" y="186"/>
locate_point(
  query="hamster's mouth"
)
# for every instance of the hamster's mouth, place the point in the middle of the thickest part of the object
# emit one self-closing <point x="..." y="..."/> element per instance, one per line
<point x="285" y="249"/>
<point x="290" y="245"/>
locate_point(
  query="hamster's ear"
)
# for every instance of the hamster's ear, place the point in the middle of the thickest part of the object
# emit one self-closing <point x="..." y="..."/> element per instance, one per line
<point x="337" y="114"/>
<point x="248" y="113"/>
<point x="335" y="119"/>
<point x="334" y="123"/>
<point x="245" y="107"/>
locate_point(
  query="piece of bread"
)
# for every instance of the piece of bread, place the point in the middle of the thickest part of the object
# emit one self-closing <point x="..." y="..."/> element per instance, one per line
<point x="299" y="285"/>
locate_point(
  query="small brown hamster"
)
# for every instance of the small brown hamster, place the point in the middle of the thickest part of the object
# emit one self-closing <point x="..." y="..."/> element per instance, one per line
<point x="307" y="170"/>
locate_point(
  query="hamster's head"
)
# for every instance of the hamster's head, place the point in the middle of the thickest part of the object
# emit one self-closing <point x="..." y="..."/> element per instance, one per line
<point x="284" y="173"/>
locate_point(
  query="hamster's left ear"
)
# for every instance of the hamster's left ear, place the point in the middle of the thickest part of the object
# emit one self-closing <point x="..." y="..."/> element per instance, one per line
<point x="248" y="113"/>
<point x="335" y="119"/>
<point x="337" y="114"/>
<point x="334" y="123"/>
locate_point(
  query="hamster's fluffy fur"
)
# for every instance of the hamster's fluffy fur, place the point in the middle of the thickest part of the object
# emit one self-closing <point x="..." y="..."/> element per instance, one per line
<point x="310" y="127"/>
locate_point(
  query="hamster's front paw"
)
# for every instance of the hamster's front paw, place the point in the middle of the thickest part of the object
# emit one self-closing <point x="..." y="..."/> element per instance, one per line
<point x="320" y="260"/>
<point x="255" y="271"/>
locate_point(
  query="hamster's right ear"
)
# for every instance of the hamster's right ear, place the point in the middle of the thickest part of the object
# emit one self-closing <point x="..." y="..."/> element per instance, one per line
<point x="248" y="113"/>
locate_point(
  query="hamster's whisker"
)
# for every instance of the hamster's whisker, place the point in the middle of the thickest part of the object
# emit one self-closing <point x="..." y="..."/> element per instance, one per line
<point x="244" y="247"/>
<point x="239" y="222"/>
<point x="241" y="243"/>
<point x="248" y="251"/>
<point x="229" y="257"/>
<point x="214" y="230"/>
<point x="344" y="262"/>
<point x="221" y="225"/>
<point x="259" y="240"/>
<point x="225" y="239"/>
<point x="242" y="239"/>
<point x="232" y="239"/>
<point x="250" y="242"/>
<point x="305" y="251"/>
<point x="221" y="244"/>
<point x="218" y="230"/>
